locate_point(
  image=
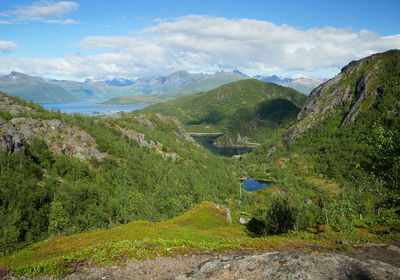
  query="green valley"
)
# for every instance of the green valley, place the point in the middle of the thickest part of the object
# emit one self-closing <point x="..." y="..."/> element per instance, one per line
<point x="241" y="110"/>
<point x="91" y="191"/>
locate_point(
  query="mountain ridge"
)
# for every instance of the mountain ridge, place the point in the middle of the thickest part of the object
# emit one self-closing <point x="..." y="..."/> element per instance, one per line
<point x="34" y="88"/>
<point x="354" y="89"/>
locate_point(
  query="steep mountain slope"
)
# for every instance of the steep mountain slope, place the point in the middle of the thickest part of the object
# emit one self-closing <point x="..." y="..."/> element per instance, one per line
<point x="348" y="135"/>
<point x="233" y="108"/>
<point x="62" y="174"/>
<point x="33" y="88"/>
<point x="359" y="86"/>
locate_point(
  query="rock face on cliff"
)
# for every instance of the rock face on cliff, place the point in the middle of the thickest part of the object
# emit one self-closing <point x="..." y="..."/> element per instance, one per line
<point x="354" y="89"/>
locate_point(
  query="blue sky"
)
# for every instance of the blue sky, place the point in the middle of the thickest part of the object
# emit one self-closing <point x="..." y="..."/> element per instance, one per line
<point x="75" y="39"/>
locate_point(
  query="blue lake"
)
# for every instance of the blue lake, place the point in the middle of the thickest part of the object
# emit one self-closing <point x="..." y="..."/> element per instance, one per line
<point x="252" y="185"/>
<point x="90" y="108"/>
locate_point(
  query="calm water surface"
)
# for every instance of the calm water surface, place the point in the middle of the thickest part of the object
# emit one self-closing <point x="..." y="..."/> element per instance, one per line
<point x="254" y="185"/>
<point x="90" y="108"/>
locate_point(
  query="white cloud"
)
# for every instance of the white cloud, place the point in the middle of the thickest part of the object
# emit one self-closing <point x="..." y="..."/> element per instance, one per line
<point x="44" y="9"/>
<point x="204" y="43"/>
<point x="62" y="22"/>
<point x="6" y="46"/>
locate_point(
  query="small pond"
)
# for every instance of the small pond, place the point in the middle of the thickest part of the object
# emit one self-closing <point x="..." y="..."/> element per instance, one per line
<point x="208" y="143"/>
<point x="251" y="184"/>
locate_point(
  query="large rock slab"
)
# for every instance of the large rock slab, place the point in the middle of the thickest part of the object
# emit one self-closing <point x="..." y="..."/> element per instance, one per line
<point x="292" y="265"/>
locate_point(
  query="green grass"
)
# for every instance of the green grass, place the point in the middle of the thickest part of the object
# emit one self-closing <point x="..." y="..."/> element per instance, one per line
<point x="200" y="230"/>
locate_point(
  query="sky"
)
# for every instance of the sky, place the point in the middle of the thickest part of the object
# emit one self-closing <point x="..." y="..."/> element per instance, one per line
<point x="77" y="39"/>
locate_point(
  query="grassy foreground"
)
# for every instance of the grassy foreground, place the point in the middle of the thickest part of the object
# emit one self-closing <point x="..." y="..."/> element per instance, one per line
<point x="203" y="229"/>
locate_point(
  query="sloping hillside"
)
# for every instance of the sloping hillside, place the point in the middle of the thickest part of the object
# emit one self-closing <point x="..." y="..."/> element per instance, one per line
<point x="205" y="229"/>
<point x="348" y="135"/>
<point x="65" y="174"/>
<point x="358" y="88"/>
<point x="239" y="106"/>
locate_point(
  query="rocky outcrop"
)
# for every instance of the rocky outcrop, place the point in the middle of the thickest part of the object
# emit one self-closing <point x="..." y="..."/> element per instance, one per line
<point x="143" y="119"/>
<point x="355" y="88"/>
<point x="8" y="104"/>
<point x="143" y="142"/>
<point x="11" y="140"/>
<point x="292" y="265"/>
<point x="60" y="137"/>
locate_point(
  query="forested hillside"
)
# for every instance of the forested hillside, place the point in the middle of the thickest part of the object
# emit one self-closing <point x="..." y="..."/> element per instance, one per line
<point x="62" y="174"/>
<point x="346" y="143"/>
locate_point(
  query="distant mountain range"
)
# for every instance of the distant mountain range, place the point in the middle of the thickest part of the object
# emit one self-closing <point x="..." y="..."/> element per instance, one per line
<point x="301" y="83"/>
<point x="34" y="88"/>
<point x="134" y="91"/>
<point x="180" y="82"/>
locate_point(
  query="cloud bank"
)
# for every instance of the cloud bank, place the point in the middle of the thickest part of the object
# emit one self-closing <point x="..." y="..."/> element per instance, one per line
<point x="204" y="43"/>
<point x="44" y="11"/>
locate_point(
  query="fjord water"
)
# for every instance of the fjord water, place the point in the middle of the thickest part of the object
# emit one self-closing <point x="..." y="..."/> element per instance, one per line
<point x="208" y="143"/>
<point x="251" y="185"/>
<point x="90" y="108"/>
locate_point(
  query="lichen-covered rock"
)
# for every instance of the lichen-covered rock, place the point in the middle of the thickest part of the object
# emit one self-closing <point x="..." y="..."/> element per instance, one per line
<point x="292" y="265"/>
<point x="11" y="140"/>
<point x="7" y="104"/>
